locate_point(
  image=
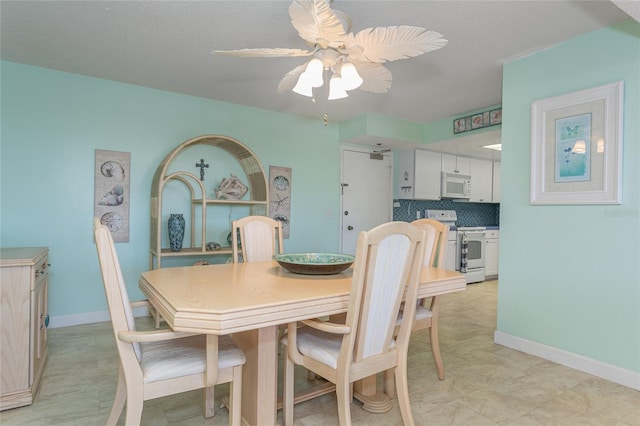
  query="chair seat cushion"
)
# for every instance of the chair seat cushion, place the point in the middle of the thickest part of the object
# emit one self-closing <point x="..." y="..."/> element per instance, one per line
<point x="421" y="313"/>
<point x="319" y="345"/>
<point x="185" y="356"/>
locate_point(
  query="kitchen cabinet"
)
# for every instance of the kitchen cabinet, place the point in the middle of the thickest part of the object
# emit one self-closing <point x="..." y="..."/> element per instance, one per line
<point x="257" y="202"/>
<point x="418" y="176"/>
<point x="455" y="164"/>
<point x="23" y="329"/>
<point x="481" y="172"/>
<point x="495" y="197"/>
<point x="491" y="253"/>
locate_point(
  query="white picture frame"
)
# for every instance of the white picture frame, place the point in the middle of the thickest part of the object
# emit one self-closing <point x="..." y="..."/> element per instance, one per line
<point x="576" y="147"/>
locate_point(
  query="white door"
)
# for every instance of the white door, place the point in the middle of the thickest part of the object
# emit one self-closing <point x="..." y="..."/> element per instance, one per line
<point x="367" y="194"/>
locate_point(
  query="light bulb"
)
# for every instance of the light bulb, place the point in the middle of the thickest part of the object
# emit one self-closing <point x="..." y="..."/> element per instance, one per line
<point x="350" y="76"/>
<point x="303" y="86"/>
<point x="336" y="88"/>
<point x="314" y="72"/>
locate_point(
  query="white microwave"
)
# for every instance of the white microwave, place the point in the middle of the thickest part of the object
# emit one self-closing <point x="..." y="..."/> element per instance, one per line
<point x="455" y="186"/>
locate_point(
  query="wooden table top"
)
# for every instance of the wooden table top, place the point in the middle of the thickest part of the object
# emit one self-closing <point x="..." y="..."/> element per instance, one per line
<point x="228" y="298"/>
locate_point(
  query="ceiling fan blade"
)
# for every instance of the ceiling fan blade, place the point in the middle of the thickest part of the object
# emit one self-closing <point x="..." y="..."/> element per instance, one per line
<point x="290" y="79"/>
<point x="317" y="23"/>
<point x="381" y="44"/>
<point x="265" y="52"/>
<point x="377" y="78"/>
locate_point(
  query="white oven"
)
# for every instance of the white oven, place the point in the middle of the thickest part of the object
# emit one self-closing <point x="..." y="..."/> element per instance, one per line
<point x="473" y="246"/>
<point x="470" y="255"/>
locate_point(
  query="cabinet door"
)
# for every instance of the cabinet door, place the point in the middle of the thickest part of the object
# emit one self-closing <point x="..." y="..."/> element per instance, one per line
<point x="39" y="326"/>
<point x="427" y="175"/>
<point x="405" y="175"/>
<point x="454" y="164"/>
<point x="452" y="254"/>
<point x="481" y="172"/>
<point x="496" y="182"/>
<point x="491" y="254"/>
<point x="14" y="336"/>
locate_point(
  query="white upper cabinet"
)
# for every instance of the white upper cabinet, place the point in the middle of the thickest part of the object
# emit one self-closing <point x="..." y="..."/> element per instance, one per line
<point x="454" y="164"/>
<point x="418" y="176"/>
<point x="481" y="172"/>
<point x="496" y="182"/>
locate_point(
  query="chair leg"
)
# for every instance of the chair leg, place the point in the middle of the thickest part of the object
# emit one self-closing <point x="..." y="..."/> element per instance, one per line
<point x="433" y="338"/>
<point x="435" y="350"/>
<point x="135" y="400"/>
<point x="404" y="402"/>
<point x="119" y="399"/>
<point x="343" y="395"/>
<point x="209" y="402"/>
<point x="235" y="398"/>
<point x="287" y="397"/>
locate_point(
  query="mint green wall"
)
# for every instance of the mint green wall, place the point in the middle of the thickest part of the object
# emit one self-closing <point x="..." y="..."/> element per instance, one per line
<point x="382" y="127"/>
<point x="52" y="122"/>
<point x="570" y="275"/>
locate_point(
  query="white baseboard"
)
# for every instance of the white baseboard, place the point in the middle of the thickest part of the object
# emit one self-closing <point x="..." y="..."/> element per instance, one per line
<point x="568" y="359"/>
<point x="89" y="318"/>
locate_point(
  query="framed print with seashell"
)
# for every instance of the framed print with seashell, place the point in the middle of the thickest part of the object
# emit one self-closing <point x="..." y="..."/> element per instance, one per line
<point x="477" y="121"/>
<point x="111" y="192"/>
<point x="280" y="196"/>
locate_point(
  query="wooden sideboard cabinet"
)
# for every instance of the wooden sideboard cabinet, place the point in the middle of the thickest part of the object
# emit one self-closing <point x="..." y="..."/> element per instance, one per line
<point x="23" y="329"/>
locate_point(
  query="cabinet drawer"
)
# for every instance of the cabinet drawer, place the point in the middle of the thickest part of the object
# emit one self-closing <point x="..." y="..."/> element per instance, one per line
<point x="40" y="272"/>
<point x="492" y="233"/>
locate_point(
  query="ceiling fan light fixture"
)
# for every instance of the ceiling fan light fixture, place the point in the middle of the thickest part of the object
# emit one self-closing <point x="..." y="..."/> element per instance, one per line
<point x="350" y="76"/>
<point x="310" y="78"/>
<point x="303" y="87"/>
<point x="314" y="72"/>
<point x="336" y="88"/>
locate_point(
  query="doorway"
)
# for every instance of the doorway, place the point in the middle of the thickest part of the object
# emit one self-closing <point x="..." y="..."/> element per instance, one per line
<point x="366" y="194"/>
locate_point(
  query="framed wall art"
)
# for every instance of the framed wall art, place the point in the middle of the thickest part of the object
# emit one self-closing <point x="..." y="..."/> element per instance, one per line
<point x="111" y="192"/>
<point x="280" y="196"/>
<point x="477" y="121"/>
<point x="576" y="147"/>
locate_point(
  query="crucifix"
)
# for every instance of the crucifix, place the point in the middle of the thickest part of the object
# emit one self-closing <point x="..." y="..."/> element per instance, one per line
<point x="202" y="167"/>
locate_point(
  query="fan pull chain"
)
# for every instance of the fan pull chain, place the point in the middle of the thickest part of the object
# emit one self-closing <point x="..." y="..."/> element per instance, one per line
<point x="325" y="119"/>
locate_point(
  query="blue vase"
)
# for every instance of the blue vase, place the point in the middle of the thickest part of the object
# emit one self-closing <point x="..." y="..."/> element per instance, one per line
<point x="176" y="231"/>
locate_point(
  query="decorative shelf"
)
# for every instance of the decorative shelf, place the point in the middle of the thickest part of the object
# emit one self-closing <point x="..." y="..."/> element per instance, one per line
<point x="258" y="201"/>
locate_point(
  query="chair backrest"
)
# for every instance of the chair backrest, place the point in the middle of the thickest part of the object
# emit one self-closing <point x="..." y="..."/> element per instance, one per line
<point x="436" y="247"/>
<point x="115" y="289"/>
<point x="388" y="263"/>
<point x="260" y="238"/>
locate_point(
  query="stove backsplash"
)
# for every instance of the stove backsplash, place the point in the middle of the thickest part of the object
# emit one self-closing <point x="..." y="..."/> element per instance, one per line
<point x="469" y="214"/>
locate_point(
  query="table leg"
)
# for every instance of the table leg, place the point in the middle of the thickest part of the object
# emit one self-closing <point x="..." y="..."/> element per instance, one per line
<point x="259" y="375"/>
<point x="366" y="391"/>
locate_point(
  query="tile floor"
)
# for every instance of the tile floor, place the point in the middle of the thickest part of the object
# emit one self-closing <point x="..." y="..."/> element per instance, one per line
<point x="486" y="384"/>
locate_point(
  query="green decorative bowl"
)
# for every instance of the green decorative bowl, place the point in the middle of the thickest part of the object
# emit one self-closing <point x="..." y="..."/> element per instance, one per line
<point x="315" y="263"/>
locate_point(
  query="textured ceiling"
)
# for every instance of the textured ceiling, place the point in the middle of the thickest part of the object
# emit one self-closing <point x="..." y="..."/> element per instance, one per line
<point x="166" y="45"/>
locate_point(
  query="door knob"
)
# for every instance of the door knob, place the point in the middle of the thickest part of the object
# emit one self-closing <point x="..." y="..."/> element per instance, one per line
<point x="350" y="228"/>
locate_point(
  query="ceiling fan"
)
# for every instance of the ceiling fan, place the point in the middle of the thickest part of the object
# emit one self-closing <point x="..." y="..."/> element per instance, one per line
<point x="349" y="61"/>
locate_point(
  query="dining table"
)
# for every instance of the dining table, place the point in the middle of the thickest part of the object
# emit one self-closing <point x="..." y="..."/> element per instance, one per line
<point x="250" y="301"/>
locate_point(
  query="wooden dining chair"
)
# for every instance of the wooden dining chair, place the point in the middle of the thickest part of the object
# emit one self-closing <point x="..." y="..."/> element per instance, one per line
<point x="427" y="316"/>
<point x="260" y="239"/>
<point x="388" y="262"/>
<point x="158" y="363"/>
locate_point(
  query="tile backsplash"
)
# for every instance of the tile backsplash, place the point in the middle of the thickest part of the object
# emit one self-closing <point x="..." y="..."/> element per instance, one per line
<point x="469" y="214"/>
